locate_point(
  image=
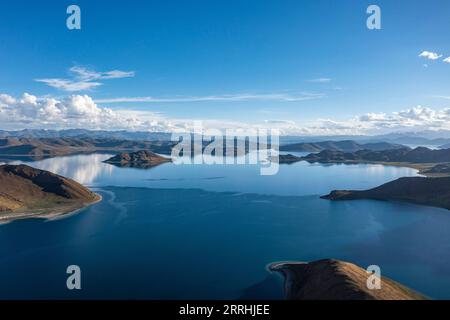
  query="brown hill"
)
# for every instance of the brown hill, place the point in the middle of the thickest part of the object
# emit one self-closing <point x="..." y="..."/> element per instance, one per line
<point x="427" y="191"/>
<point x="337" y="280"/>
<point x="26" y="192"/>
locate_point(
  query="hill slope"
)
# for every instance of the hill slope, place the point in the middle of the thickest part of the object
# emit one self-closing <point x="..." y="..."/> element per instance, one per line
<point x="26" y="191"/>
<point x="140" y="159"/>
<point x="337" y="280"/>
<point x="426" y="191"/>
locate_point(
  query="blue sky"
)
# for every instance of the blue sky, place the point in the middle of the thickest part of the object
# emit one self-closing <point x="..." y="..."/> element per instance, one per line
<point x="237" y="61"/>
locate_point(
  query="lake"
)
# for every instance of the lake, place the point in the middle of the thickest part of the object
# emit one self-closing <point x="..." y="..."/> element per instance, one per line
<point x="209" y="231"/>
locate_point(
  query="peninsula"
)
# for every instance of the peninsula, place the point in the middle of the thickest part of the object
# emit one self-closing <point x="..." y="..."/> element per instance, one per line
<point x="336" y="280"/>
<point x="26" y="192"/>
<point x="425" y="191"/>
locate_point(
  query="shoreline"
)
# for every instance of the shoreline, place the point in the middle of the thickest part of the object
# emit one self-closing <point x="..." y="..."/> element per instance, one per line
<point x="283" y="268"/>
<point x="47" y="213"/>
<point x="420" y="167"/>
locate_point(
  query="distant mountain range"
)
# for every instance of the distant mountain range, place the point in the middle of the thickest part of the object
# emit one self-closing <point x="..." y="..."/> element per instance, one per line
<point x="81" y="133"/>
<point x="422" y="138"/>
<point x="25" y="148"/>
<point x="417" y="155"/>
<point x="51" y="147"/>
<point x="344" y="146"/>
<point x="50" y="143"/>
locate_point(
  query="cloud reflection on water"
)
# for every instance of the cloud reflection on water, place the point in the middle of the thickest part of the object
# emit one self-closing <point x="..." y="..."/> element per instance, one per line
<point x="81" y="168"/>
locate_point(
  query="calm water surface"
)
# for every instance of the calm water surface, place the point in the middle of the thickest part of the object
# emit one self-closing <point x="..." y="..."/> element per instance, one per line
<point x="195" y="232"/>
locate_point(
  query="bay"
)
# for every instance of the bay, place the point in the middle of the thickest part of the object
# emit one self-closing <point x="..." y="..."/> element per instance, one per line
<point x="208" y="232"/>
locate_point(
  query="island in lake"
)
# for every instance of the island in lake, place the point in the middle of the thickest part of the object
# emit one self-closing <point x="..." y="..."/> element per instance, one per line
<point x="337" y="280"/>
<point x="140" y="159"/>
<point x="26" y="192"/>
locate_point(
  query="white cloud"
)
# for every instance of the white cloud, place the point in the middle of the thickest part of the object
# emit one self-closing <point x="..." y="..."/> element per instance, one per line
<point x="76" y="111"/>
<point x="69" y="85"/>
<point x="442" y="97"/>
<point x="414" y="119"/>
<point x="430" y="55"/>
<point x="417" y="118"/>
<point x="321" y="80"/>
<point x="447" y="60"/>
<point x="286" y="122"/>
<point x="89" y="75"/>
<point x="229" y="97"/>
<point x="84" y="79"/>
<point x="81" y="111"/>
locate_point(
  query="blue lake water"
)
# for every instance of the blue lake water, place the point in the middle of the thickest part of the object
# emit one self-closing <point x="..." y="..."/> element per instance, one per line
<point x="208" y="232"/>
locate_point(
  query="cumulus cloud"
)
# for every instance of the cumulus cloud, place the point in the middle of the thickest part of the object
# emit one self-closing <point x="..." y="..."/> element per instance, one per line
<point x="83" y="79"/>
<point x="81" y="111"/>
<point x="76" y="111"/>
<point x="414" y="119"/>
<point x="430" y="55"/>
<point x="417" y="118"/>
<point x="447" y="60"/>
